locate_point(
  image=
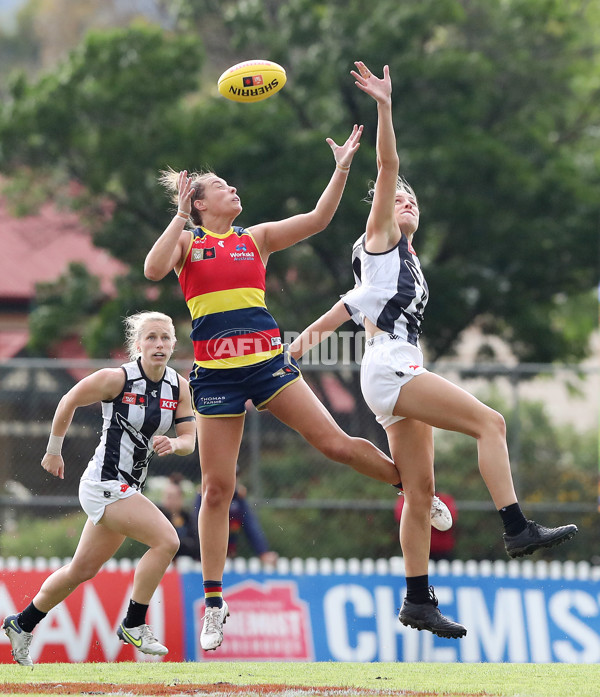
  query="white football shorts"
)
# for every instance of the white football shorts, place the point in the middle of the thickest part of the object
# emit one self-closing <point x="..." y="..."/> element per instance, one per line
<point x="387" y="364"/>
<point x="96" y="496"/>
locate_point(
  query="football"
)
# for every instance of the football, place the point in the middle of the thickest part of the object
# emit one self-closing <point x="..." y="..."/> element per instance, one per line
<point x="252" y="81"/>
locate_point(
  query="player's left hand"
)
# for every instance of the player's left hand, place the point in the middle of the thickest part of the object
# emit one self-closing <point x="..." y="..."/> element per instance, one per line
<point x="344" y="153"/>
<point x="162" y="445"/>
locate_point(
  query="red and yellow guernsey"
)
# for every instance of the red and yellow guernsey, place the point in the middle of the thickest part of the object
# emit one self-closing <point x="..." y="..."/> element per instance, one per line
<point x="223" y="281"/>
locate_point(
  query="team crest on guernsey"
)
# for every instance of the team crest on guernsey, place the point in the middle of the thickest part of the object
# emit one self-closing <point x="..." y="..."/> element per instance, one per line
<point x="201" y="254"/>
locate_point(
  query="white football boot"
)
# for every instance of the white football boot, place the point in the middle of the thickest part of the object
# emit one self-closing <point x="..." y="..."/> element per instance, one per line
<point x="212" y="630"/>
<point x="19" y="640"/>
<point x="441" y="518"/>
<point x="142" y="638"/>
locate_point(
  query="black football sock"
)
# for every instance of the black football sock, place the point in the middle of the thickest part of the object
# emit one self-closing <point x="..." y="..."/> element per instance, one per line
<point x="136" y="614"/>
<point x="417" y="589"/>
<point x="30" y="617"/>
<point x="513" y="519"/>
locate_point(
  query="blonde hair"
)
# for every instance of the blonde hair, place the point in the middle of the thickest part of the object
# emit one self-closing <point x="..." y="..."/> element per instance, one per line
<point x="134" y="328"/>
<point x="169" y="178"/>
<point x="401" y="186"/>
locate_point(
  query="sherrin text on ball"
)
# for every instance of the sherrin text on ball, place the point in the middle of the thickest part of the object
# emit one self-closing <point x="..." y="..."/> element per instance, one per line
<point x="252" y="81"/>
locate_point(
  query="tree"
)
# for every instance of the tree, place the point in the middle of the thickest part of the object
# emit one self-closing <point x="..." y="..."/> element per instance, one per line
<point x="105" y="119"/>
<point x="497" y="113"/>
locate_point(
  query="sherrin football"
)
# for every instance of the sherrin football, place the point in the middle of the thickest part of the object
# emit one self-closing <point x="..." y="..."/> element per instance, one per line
<point x="252" y="81"/>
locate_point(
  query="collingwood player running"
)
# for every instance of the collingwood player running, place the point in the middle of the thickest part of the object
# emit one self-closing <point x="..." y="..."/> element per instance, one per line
<point x="141" y="401"/>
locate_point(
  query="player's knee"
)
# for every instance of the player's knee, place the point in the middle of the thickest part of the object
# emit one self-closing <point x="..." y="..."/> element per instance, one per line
<point x="171" y="544"/>
<point x="217" y="495"/>
<point x="496" y="424"/>
<point x="339" y="448"/>
<point x="83" y="572"/>
<point x="421" y="495"/>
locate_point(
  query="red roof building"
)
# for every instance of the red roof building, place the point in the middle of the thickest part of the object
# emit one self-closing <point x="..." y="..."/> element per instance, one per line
<point x="39" y="248"/>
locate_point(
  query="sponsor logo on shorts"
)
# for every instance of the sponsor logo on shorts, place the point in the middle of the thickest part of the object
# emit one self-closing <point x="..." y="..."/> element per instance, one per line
<point x="107" y="494"/>
<point x="282" y="372"/>
<point x="207" y="401"/>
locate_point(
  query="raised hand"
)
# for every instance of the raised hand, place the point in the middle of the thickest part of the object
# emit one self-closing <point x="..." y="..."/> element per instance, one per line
<point x="184" y="192"/>
<point x="378" y="88"/>
<point x="344" y="153"/>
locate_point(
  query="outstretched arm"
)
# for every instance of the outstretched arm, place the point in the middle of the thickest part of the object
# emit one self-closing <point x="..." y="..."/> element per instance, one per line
<point x="274" y="236"/>
<point x="382" y="229"/>
<point x="319" y="330"/>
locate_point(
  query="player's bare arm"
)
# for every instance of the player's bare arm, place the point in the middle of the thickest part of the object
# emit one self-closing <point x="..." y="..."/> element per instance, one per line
<point x="185" y="442"/>
<point x="382" y="230"/>
<point x="319" y="330"/>
<point x="275" y="236"/>
<point x="169" y="250"/>
<point x="102" y="385"/>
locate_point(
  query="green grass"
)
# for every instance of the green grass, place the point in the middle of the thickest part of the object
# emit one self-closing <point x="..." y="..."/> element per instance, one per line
<point x="499" y="680"/>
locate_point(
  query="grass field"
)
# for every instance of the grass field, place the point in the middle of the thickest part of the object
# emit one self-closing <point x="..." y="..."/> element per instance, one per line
<point x="298" y="679"/>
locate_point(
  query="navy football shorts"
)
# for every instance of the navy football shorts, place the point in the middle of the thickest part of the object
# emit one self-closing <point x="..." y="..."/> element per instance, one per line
<point x="224" y="391"/>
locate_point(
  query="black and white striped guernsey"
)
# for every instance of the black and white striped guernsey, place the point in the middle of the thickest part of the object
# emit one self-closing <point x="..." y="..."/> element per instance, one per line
<point x="390" y="290"/>
<point x="142" y="410"/>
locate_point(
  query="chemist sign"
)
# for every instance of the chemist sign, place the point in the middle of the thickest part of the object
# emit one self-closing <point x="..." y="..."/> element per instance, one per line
<point x="354" y="618"/>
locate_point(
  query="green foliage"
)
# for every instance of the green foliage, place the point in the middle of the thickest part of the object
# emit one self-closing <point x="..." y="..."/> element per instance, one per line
<point x="496" y="112"/>
<point x="54" y="536"/>
<point x="62" y="306"/>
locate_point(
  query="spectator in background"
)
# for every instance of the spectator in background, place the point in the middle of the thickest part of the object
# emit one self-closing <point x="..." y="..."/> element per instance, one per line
<point x="242" y="517"/>
<point x="442" y="541"/>
<point x="173" y="507"/>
